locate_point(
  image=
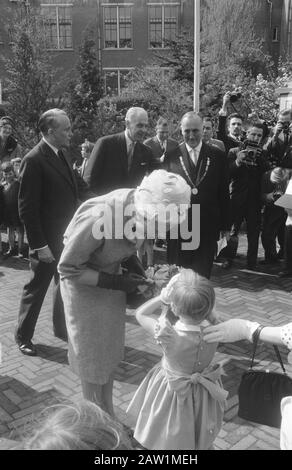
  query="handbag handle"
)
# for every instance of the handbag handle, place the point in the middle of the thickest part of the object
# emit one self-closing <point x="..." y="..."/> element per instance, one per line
<point x="255" y="338"/>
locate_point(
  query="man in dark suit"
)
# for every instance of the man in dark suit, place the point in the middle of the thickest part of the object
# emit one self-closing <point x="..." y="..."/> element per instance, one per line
<point x="204" y="167"/>
<point x="247" y="164"/>
<point x="161" y="143"/>
<point x="48" y="198"/>
<point x="121" y="160"/>
<point x="233" y="135"/>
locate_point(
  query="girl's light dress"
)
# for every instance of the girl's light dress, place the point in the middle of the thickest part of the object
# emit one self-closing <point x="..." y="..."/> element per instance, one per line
<point x="180" y="403"/>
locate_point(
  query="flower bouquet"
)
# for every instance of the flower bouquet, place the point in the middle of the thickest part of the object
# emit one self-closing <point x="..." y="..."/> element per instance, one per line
<point x="160" y="275"/>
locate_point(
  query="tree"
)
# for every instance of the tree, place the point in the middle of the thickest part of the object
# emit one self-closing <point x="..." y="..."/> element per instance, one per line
<point x="231" y="54"/>
<point x="29" y="83"/>
<point x="85" y="91"/>
<point x="160" y="94"/>
<point x="261" y="95"/>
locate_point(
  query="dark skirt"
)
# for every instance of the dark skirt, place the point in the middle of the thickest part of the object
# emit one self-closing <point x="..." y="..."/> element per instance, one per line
<point x="11" y="214"/>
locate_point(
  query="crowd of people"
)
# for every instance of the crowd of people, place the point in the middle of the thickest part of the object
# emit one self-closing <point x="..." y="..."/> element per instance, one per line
<point x="88" y="230"/>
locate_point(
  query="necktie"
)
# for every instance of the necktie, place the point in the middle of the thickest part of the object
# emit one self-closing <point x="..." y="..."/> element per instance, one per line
<point x="131" y="149"/>
<point x="193" y="155"/>
<point x="63" y="160"/>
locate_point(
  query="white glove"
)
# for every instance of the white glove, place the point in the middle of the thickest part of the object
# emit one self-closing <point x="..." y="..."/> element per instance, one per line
<point x="165" y="293"/>
<point x="230" y="331"/>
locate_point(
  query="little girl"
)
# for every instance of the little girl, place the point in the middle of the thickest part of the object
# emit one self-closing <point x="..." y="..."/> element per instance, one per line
<point x="180" y="403"/>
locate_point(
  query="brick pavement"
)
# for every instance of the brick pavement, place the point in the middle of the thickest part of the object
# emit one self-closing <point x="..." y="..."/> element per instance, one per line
<point x="28" y="384"/>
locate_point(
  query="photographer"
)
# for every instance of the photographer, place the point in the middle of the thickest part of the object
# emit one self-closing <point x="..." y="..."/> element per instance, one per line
<point x="233" y="136"/>
<point x="247" y="164"/>
<point x="274" y="183"/>
<point x="279" y="147"/>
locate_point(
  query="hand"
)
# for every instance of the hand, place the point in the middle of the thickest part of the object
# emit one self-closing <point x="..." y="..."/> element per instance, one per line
<point x="45" y="255"/>
<point x="278" y="128"/>
<point x="226" y="99"/>
<point x="225" y="234"/>
<point x="125" y="282"/>
<point x="165" y="294"/>
<point x="227" y="332"/>
<point x="134" y="265"/>
<point x="241" y="157"/>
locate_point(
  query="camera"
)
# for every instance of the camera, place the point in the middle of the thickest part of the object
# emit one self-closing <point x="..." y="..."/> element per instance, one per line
<point x="235" y="96"/>
<point x="284" y="126"/>
<point x="252" y="149"/>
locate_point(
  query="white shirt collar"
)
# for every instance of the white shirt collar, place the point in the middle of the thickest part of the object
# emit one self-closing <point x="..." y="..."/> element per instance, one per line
<point x="197" y="149"/>
<point x="180" y="326"/>
<point x="55" y="150"/>
<point x="129" y="141"/>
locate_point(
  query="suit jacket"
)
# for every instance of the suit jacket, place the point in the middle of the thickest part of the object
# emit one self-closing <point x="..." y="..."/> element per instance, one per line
<point x="279" y="152"/>
<point x="217" y="143"/>
<point x="107" y="168"/>
<point x="210" y="177"/>
<point x="245" y="181"/>
<point x="48" y="197"/>
<point x="156" y="148"/>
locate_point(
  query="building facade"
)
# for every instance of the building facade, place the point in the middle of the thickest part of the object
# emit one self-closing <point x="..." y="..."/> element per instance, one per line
<point x="129" y="32"/>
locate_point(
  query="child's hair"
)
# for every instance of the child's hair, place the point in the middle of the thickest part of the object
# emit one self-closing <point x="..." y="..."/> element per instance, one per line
<point x="78" y="426"/>
<point x="6" y="167"/>
<point x="193" y="296"/>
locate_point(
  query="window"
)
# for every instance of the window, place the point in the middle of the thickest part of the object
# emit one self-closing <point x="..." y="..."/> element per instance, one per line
<point x="118" y="27"/>
<point x="163" y="23"/>
<point x="58" y="24"/>
<point x="275" y="34"/>
<point x="116" y="80"/>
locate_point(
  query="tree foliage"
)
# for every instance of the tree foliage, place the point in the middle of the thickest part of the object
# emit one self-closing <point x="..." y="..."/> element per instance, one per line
<point x="160" y="94"/>
<point x="85" y="91"/>
<point x="29" y="83"/>
<point x="231" y="54"/>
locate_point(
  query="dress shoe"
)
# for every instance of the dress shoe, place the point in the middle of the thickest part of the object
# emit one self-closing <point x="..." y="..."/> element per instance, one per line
<point x="226" y="264"/>
<point x="285" y="273"/>
<point x="10" y="252"/>
<point x="28" y="349"/>
<point x="269" y="261"/>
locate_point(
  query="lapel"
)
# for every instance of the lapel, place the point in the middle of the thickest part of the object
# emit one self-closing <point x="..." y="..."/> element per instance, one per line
<point x="54" y="161"/>
<point x="190" y="167"/>
<point x="123" y="151"/>
<point x="202" y="162"/>
<point x="195" y="172"/>
<point x="157" y="143"/>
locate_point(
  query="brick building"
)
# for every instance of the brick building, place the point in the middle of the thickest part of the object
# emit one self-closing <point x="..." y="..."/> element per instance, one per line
<point x="129" y="31"/>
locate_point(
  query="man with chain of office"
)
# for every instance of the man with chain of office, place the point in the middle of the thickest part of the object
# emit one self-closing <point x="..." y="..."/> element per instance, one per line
<point x="204" y="167"/>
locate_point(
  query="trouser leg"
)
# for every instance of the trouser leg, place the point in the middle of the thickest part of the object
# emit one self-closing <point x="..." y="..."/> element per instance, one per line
<point x="32" y="297"/>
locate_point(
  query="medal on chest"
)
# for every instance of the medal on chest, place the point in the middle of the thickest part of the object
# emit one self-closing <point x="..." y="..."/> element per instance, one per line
<point x="195" y="186"/>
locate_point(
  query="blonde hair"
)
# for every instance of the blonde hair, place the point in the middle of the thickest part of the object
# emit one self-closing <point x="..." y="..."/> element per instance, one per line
<point x="78" y="426"/>
<point x="193" y="296"/>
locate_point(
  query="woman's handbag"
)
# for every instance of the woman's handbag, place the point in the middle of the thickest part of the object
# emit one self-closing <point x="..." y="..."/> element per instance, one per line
<point x="260" y="392"/>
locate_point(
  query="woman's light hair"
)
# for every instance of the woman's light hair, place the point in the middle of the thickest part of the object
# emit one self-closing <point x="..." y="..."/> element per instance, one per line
<point x="78" y="426"/>
<point x="193" y="296"/>
<point x="162" y="191"/>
